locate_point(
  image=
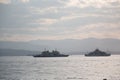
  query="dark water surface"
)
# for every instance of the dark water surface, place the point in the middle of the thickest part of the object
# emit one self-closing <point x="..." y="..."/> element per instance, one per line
<point x="76" y="67"/>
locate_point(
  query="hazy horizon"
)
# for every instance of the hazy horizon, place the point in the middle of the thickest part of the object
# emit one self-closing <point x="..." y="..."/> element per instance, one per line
<point x="66" y="45"/>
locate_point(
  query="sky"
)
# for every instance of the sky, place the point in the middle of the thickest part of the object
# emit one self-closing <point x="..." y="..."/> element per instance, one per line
<point x="25" y="20"/>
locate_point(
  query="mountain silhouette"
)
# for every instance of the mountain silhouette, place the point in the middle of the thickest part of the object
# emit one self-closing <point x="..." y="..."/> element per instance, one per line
<point x="66" y="45"/>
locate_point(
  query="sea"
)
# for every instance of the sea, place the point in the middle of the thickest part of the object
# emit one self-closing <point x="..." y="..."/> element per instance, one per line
<point x="74" y="67"/>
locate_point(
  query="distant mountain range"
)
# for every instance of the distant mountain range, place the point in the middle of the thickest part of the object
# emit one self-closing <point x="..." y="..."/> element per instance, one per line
<point x="15" y="52"/>
<point x="71" y="46"/>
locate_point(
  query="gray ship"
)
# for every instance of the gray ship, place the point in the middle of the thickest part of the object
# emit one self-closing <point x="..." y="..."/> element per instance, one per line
<point x="97" y="52"/>
<point x="54" y="53"/>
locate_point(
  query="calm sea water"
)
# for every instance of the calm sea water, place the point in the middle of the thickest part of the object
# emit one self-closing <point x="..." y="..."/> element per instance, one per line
<point x="62" y="68"/>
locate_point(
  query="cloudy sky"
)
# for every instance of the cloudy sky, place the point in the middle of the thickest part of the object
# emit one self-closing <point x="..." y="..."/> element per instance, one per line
<point x="24" y="20"/>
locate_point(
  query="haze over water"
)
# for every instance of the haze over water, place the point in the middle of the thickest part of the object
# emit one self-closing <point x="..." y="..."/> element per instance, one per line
<point x="63" y="24"/>
<point x="75" y="67"/>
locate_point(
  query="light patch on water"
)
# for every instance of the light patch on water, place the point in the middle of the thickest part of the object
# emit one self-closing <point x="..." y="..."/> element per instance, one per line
<point x="64" y="68"/>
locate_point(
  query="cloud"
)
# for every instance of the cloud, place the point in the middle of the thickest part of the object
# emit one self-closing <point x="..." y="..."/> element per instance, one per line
<point x="13" y="1"/>
<point x="5" y="1"/>
<point x="99" y="30"/>
<point x="92" y="3"/>
<point x="59" y="19"/>
<point x="25" y="1"/>
<point x="46" y="21"/>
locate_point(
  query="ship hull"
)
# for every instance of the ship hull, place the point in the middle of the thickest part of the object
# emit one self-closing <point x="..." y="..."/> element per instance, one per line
<point x="51" y="56"/>
<point x="97" y="55"/>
